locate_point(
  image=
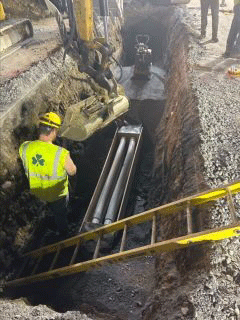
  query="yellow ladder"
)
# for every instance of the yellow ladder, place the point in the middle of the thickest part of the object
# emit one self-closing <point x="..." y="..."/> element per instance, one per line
<point x="54" y="251"/>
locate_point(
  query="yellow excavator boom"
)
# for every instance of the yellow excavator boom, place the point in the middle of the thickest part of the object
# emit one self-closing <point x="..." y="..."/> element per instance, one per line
<point x="2" y="13"/>
<point x="83" y="12"/>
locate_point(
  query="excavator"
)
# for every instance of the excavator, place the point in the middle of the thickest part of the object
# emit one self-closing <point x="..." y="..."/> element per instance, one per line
<point x="13" y="31"/>
<point x="94" y="56"/>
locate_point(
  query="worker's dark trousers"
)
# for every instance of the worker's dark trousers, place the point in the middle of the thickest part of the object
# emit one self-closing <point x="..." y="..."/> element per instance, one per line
<point x="234" y="30"/>
<point x="214" y="5"/>
<point x="59" y="209"/>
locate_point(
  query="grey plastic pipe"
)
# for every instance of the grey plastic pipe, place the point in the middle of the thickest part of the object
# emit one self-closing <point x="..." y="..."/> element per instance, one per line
<point x="104" y="196"/>
<point x="119" y="188"/>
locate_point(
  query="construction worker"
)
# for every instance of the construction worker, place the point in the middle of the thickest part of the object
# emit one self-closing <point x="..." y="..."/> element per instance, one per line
<point x="214" y="5"/>
<point x="47" y="167"/>
<point x="234" y="33"/>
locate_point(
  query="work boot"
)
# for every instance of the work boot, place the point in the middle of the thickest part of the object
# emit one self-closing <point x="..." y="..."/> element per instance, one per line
<point x="203" y="35"/>
<point x="214" y="39"/>
<point x="226" y="54"/>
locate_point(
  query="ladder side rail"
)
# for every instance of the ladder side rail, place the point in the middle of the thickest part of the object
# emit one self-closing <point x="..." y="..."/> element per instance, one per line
<point x="164" y="210"/>
<point x="162" y="246"/>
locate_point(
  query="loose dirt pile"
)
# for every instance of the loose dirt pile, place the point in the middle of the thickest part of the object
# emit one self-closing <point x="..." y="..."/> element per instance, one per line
<point x="21" y="310"/>
<point x="27" y="9"/>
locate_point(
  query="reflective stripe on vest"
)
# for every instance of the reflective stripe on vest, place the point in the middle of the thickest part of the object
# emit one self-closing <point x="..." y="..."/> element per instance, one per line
<point x="24" y="155"/>
<point x="54" y="176"/>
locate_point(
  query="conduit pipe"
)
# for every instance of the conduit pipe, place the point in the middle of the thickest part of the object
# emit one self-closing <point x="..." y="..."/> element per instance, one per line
<point x="104" y="196"/>
<point x="119" y="188"/>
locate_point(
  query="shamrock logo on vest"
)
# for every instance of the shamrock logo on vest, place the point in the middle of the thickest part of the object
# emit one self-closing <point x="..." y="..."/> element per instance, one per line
<point x="38" y="160"/>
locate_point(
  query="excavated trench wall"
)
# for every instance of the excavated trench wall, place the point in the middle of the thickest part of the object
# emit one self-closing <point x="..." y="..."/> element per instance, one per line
<point x="177" y="164"/>
<point x="49" y="85"/>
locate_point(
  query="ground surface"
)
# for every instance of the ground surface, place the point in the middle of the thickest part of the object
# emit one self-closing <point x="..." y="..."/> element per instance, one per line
<point x="198" y="293"/>
<point x="23" y="56"/>
<point x="20" y="309"/>
<point x="205" y="285"/>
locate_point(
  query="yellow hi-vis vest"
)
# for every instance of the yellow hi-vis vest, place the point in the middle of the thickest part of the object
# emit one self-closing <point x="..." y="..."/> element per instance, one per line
<point x="44" y="166"/>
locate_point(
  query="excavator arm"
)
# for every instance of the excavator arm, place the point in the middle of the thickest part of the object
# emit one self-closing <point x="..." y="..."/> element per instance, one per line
<point x="94" y="57"/>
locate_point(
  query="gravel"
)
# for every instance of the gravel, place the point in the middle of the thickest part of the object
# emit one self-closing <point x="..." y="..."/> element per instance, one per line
<point x="20" y="310"/>
<point x="216" y="292"/>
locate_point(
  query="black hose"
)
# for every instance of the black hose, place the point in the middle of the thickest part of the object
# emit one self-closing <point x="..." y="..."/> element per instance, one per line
<point x="121" y="70"/>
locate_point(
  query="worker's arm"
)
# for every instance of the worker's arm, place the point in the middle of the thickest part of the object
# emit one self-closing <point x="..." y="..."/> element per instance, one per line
<point x="70" y="166"/>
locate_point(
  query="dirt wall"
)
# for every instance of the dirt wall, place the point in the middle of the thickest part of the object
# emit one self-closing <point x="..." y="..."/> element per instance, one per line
<point x="27" y="9"/>
<point x="47" y="85"/>
<point x="177" y="172"/>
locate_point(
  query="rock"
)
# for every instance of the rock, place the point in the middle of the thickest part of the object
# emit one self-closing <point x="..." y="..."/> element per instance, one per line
<point x="6" y="185"/>
<point x="184" y="310"/>
<point x="138" y="303"/>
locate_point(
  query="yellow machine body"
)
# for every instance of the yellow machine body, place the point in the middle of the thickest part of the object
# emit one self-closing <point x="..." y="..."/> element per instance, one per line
<point x="90" y="115"/>
<point x="83" y="12"/>
<point x="2" y="13"/>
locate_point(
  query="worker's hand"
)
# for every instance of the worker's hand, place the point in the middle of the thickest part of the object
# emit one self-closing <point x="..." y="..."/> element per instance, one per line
<point x="70" y="166"/>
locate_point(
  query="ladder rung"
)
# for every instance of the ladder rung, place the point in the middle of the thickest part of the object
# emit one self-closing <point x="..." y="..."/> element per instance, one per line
<point x="231" y="206"/>
<point x="36" y="265"/>
<point x="189" y="217"/>
<point x="154" y="229"/>
<point x="26" y="260"/>
<point x="75" y="253"/>
<point x="55" y="258"/>
<point x="150" y="215"/>
<point x="124" y="237"/>
<point x="163" y="211"/>
<point x="96" y="252"/>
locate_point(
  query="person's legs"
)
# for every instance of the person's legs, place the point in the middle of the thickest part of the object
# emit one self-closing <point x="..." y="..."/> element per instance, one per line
<point x="215" y="13"/>
<point x="204" y="13"/>
<point x="233" y="30"/>
<point x="59" y="208"/>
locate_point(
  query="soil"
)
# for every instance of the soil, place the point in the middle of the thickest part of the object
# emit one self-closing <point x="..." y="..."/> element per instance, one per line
<point x="28" y="9"/>
<point x="196" y="143"/>
<point x="23" y="56"/>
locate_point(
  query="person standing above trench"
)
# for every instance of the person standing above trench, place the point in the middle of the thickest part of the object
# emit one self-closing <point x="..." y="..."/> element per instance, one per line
<point x="214" y="5"/>
<point x="47" y="167"/>
<point x="234" y="33"/>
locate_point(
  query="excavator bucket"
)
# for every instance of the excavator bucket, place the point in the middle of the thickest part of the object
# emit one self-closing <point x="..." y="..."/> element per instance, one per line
<point x="90" y="115"/>
<point x="13" y="32"/>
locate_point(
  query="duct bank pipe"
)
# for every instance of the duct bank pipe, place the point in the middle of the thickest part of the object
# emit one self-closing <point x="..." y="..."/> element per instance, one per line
<point x="104" y="196"/>
<point x="119" y="188"/>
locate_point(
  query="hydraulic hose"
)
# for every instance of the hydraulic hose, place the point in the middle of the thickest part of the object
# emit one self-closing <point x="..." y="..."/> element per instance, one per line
<point x="120" y="67"/>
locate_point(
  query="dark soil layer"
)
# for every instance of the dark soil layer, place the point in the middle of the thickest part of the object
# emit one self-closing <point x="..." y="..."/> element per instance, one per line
<point x="26" y="9"/>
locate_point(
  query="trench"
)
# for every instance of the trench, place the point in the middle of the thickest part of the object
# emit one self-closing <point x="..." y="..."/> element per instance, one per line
<point x="166" y="163"/>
